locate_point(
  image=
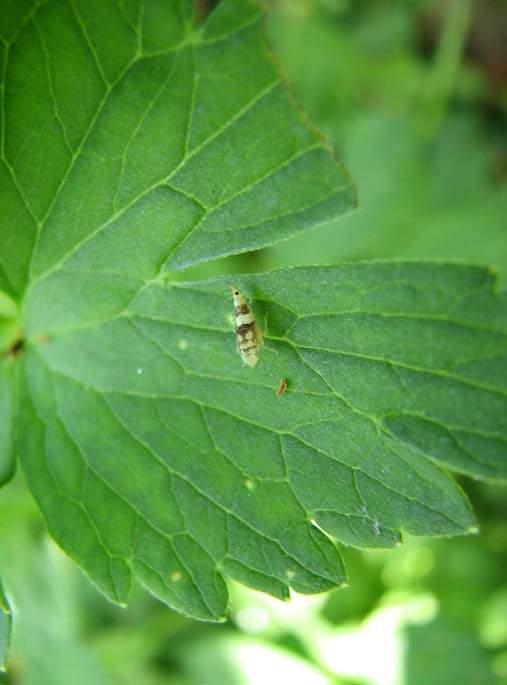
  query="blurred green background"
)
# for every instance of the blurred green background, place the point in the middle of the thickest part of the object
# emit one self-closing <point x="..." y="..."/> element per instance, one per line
<point x="412" y="95"/>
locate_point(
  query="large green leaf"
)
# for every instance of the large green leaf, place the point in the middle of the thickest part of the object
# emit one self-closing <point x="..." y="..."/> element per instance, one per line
<point x="133" y="138"/>
<point x="151" y="451"/>
<point x="164" y="458"/>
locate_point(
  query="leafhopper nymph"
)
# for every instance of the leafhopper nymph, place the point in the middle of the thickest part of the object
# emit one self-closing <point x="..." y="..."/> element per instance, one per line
<point x="248" y="336"/>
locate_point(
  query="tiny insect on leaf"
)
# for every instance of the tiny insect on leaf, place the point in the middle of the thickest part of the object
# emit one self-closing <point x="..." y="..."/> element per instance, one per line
<point x="248" y="336"/>
<point x="282" y="387"/>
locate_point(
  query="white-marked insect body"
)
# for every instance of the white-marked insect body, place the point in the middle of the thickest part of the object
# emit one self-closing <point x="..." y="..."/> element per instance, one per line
<point x="248" y="336"/>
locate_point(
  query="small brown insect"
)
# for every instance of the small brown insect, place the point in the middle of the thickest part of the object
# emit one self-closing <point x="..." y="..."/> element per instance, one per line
<point x="248" y="336"/>
<point x="282" y="387"/>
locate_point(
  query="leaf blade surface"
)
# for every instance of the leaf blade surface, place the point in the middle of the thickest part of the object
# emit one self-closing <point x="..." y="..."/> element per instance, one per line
<point x="249" y="484"/>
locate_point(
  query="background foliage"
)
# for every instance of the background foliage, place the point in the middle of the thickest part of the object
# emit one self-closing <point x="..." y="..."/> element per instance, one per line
<point x="413" y="97"/>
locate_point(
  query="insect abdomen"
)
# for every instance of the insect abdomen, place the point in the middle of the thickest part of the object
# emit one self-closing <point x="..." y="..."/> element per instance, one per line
<point x="247" y="339"/>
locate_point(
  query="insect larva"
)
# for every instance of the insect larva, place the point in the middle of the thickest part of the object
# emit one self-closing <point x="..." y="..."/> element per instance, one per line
<point x="248" y="335"/>
<point x="282" y="387"/>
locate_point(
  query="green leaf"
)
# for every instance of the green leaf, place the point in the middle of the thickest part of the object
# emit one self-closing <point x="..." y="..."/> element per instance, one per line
<point x="141" y="139"/>
<point x="166" y="459"/>
<point x="242" y="660"/>
<point x="433" y="644"/>
<point x="7" y="419"/>
<point x="8" y="325"/>
<point x="422" y="197"/>
<point x="151" y="451"/>
<point x="5" y="628"/>
<point x="9" y="348"/>
<point x="47" y="646"/>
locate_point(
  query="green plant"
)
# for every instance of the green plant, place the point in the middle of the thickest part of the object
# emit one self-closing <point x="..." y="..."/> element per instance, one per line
<point x="150" y="450"/>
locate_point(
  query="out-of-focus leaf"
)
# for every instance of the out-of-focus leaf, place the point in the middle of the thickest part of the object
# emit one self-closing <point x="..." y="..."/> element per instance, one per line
<point x="5" y="627"/>
<point x="363" y="79"/>
<point x="240" y="660"/>
<point x="420" y="200"/>
<point x="46" y="647"/>
<point x="442" y="654"/>
<point x="7" y="418"/>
